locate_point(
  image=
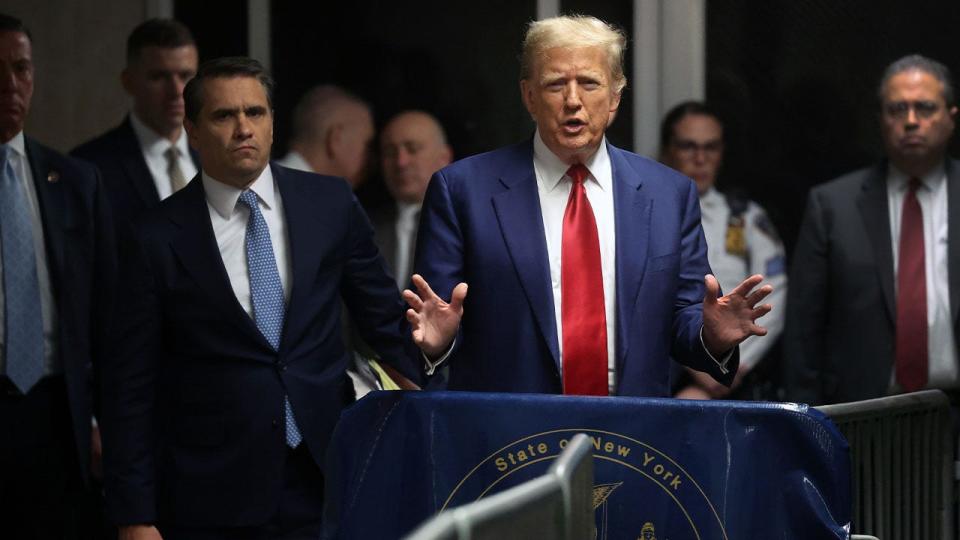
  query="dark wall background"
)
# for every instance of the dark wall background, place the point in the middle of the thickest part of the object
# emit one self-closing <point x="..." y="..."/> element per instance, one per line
<point x="796" y="82"/>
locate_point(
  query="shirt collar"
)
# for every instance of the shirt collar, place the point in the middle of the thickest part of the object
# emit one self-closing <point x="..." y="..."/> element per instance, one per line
<point x="223" y="198"/>
<point x="552" y="170"/>
<point x="295" y="160"/>
<point x="931" y="180"/>
<point x="711" y="196"/>
<point x="152" y="143"/>
<point x="18" y="145"/>
<point x="406" y="209"/>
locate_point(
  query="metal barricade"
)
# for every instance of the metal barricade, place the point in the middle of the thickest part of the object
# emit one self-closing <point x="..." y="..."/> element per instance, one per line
<point x="555" y="506"/>
<point x="901" y="451"/>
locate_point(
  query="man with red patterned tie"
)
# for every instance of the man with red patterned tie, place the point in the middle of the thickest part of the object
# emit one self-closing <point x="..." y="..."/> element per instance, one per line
<point x="875" y="304"/>
<point x="586" y="263"/>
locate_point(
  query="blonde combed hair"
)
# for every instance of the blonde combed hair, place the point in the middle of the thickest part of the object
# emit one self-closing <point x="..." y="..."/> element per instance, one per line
<point x="571" y="32"/>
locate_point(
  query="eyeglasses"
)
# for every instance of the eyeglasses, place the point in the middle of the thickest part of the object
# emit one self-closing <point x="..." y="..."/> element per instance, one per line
<point x="692" y="147"/>
<point x="901" y="109"/>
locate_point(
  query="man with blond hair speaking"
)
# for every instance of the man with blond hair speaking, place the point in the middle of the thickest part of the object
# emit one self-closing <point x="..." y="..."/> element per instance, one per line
<point x="586" y="263"/>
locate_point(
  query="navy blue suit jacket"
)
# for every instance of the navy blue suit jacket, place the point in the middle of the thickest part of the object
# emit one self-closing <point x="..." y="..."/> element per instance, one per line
<point x="194" y="394"/>
<point x="127" y="178"/>
<point x="81" y="258"/>
<point x="481" y="223"/>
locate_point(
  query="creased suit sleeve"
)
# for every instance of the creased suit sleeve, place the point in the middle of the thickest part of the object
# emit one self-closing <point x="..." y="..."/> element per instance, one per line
<point x="129" y="377"/>
<point x="372" y="297"/>
<point x="806" y="307"/>
<point x="440" y="246"/>
<point x="688" y="307"/>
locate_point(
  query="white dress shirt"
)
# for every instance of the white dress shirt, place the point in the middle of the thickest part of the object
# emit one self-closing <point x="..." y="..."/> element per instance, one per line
<point x="932" y="196"/>
<point x="154" y="148"/>
<point x="763" y="254"/>
<point x="229" y="221"/>
<point x="21" y="167"/>
<point x="405" y="228"/>
<point x="553" y="187"/>
<point x="293" y="160"/>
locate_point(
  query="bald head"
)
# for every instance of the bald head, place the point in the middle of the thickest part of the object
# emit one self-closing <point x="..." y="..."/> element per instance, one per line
<point x="332" y="130"/>
<point x="413" y="147"/>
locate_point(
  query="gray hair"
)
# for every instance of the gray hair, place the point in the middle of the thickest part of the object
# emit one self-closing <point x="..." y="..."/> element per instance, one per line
<point x="913" y="62"/>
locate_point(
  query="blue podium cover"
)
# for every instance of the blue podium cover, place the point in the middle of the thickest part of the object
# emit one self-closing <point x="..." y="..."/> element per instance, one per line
<point x="717" y="470"/>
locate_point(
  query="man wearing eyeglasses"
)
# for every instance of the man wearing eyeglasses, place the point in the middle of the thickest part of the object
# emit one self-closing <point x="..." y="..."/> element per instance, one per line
<point x="741" y="240"/>
<point x="875" y="284"/>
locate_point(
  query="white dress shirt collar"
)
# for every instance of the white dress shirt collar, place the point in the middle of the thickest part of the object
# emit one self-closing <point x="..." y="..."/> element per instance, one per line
<point x="932" y="180"/>
<point x="295" y="160"/>
<point x="223" y="197"/>
<point x="154" y="144"/>
<point x="551" y="170"/>
<point x="18" y="145"/>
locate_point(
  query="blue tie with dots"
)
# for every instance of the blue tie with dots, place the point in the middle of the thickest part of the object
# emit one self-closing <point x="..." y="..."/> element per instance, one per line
<point x="23" y="319"/>
<point x="266" y="292"/>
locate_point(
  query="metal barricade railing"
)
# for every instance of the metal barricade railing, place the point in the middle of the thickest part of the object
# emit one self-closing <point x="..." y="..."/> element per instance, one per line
<point x="557" y="505"/>
<point x="901" y="451"/>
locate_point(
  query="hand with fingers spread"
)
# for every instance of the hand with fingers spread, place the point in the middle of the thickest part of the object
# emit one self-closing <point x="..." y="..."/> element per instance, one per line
<point x="433" y="322"/>
<point x="729" y="319"/>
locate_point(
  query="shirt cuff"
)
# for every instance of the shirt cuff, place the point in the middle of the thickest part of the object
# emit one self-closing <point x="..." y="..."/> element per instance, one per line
<point x="722" y="363"/>
<point x="431" y="367"/>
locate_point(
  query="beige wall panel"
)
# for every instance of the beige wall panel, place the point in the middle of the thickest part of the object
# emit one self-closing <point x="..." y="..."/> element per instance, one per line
<point x="78" y="51"/>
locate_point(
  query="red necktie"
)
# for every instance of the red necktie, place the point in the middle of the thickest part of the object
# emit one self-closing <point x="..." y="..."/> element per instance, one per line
<point x="911" y="345"/>
<point x="583" y="317"/>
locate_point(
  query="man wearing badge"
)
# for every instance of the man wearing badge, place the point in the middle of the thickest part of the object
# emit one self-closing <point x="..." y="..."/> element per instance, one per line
<point x="741" y="240"/>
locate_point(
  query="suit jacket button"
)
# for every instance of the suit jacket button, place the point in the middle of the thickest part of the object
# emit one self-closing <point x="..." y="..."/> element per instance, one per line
<point x="275" y="423"/>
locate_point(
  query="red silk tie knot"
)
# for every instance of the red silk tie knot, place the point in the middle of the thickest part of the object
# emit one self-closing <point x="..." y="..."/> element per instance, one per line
<point x="583" y="316"/>
<point x="911" y="355"/>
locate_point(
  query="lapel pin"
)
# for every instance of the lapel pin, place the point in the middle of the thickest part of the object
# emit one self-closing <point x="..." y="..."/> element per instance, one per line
<point x="53" y="177"/>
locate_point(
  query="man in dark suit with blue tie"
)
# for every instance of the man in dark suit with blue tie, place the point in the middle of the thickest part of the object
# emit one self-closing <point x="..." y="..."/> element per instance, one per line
<point x="585" y="262"/>
<point x="58" y="265"/>
<point x="146" y="158"/>
<point x="230" y="372"/>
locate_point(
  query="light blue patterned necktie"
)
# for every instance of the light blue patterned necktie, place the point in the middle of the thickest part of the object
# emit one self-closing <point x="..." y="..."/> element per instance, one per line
<point x="266" y="292"/>
<point x="22" y="317"/>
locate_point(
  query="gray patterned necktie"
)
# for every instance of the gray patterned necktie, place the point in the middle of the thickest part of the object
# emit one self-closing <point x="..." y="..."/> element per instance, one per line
<point x="177" y="180"/>
<point x="23" y="318"/>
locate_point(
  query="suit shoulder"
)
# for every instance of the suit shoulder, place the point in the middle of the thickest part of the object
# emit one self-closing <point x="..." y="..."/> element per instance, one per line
<point x="847" y="184"/>
<point x="103" y="146"/>
<point x="491" y="164"/>
<point x="312" y="184"/>
<point x="649" y="171"/>
<point x="59" y="165"/>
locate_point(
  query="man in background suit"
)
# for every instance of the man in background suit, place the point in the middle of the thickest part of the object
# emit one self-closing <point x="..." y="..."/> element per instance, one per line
<point x="413" y="146"/>
<point x="58" y="267"/>
<point x="229" y="372"/>
<point x="875" y="282"/>
<point x="146" y="157"/>
<point x="603" y="314"/>
<point x="332" y="132"/>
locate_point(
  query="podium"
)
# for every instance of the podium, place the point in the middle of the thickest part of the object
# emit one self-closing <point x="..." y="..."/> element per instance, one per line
<point x="663" y="468"/>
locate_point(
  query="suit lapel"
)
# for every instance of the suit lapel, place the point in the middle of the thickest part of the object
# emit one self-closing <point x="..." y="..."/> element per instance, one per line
<point x="632" y="211"/>
<point x="197" y="251"/>
<point x="306" y="247"/>
<point x="521" y="224"/>
<point x="56" y="215"/>
<point x="953" y="236"/>
<point x="874" y="209"/>
<point x="135" y="166"/>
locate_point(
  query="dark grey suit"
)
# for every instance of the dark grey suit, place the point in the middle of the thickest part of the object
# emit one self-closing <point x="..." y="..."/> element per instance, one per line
<point x="841" y="306"/>
<point x="384" y="221"/>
